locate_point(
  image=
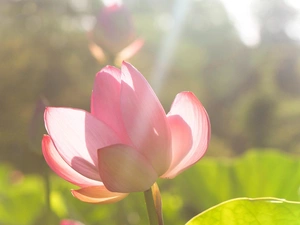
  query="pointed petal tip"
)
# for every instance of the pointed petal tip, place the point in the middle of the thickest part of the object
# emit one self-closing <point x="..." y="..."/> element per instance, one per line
<point x="48" y="111"/>
<point x="45" y="136"/>
<point x="127" y="64"/>
<point x="188" y="94"/>
<point x="108" y="69"/>
<point x="50" y="108"/>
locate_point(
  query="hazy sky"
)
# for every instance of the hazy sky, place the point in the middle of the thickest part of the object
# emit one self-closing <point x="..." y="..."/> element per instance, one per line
<point x="241" y="15"/>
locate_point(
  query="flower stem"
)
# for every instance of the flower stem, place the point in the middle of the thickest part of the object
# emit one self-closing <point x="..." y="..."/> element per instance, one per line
<point x="153" y="203"/>
<point x="46" y="178"/>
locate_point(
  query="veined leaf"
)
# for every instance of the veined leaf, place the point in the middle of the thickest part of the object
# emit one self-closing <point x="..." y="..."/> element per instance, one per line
<point x="247" y="211"/>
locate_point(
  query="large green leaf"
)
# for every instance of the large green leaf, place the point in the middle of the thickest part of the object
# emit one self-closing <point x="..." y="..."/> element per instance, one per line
<point x="258" y="173"/>
<point x="249" y="211"/>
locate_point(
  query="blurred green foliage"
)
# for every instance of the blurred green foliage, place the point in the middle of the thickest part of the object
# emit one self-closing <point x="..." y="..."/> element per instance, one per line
<point x="251" y="94"/>
<point x="258" y="173"/>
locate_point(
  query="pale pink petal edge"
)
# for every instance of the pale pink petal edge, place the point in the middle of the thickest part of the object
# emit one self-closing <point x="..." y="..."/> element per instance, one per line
<point x="198" y="150"/>
<point x="97" y="194"/>
<point x="61" y="168"/>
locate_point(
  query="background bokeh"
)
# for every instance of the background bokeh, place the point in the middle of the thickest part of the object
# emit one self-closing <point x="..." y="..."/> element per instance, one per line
<point x="251" y="90"/>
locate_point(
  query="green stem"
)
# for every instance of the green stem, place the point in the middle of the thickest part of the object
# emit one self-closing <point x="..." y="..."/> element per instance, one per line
<point x="153" y="219"/>
<point x="46" y="178"/>
<point x="153" y="203"/>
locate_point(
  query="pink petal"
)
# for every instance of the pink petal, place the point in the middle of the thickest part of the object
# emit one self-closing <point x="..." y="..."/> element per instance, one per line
<point x="105" y="102"/>
<point x="129" y="51"/>
<point x="97" y="194"/>
<point x="61" y="168"/>
<point x="187" y="107"/>
<point x="123" y="169"/>
<point x="77" y="135"/>
<point x="181" y="140"/>
<point x="145" y="119"/>
<point x="70" y="222"/>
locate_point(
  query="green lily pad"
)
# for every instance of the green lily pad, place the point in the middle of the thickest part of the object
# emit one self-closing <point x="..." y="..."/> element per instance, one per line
<point x="247" y="211"/>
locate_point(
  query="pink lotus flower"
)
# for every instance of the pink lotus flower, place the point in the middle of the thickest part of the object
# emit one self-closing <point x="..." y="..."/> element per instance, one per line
<point x="70" y="222"/>
<point x="127" y="141"/>
<point x="114" y="35"/>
